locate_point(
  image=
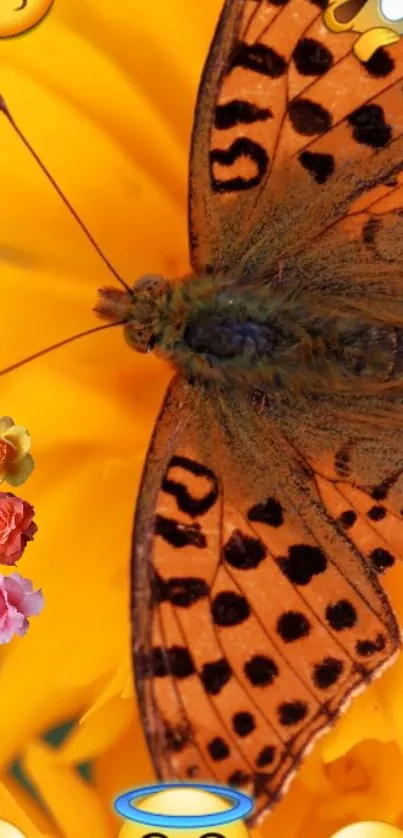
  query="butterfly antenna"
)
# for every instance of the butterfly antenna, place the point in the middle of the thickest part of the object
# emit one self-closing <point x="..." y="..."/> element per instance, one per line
<point x="64" y="342"/>
<point x="7" y="114"/>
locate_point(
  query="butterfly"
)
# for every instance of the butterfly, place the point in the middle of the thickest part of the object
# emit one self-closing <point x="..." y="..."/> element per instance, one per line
<point x="272" y="495"/>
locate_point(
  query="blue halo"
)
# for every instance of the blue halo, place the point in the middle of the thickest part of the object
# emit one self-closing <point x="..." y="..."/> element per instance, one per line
<point x="242" y="806"/>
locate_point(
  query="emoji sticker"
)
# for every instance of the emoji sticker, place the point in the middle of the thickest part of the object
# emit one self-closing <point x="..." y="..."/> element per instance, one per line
<point x="7" y="830"/>
<point x="369" y="829"/>
<point x="184" y="810"/>
<point x="16" y="16"/>
<point x="378" y="22"/>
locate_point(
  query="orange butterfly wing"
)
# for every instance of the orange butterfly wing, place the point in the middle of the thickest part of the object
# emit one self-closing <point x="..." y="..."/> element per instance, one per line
<point x="279" y="86"/>
<point x="254" y="621"/>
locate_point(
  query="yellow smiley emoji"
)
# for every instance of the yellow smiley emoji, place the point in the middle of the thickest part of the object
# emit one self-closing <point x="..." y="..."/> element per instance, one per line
<point x="369" y="829"/>
<point x="7" y="830"/>
<point x="16" y="16"/>
<point x="378" y="22"/>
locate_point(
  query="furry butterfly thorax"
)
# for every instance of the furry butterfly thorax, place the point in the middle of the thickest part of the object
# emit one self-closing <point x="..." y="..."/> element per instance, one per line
<point x="264" y="332"/>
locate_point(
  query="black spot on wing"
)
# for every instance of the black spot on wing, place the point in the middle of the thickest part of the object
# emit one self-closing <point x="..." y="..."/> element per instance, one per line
<point x="241" y="147"/>
<point x="377" y="513"/>
<point x="369" y="126"/>
<point x="239" y="112"/>
<point x="185" y="591"/>
<point x="348" y="518"/>
<point x="178" y="737"/>
<point x="381" y="64"/>
<point x="370" y="229"/>
<point x="270" y="512"/>
<point x="312" y="58"/>
<point x="320" y="166"/>
<point x="261" y="670"/>
<point x="194" y="507"/>
<point x="229" y="609"/>
<point x="292" y="712"/>
<point x="260" y="786"/>
<point x="342" y="460"/>
<point x="192" y="771"/>
<point x="238" y="778"/>
<point x="292" y="626"/>
<point x="160" y="662"/>
<point x="178" y="534"/>
<point x="266" y="756"/>
<point x="215" y="675"/>
<point x="153" y="663"/>
<point x="243" y="552"/>
<point x="303" y="563"/>
<point x="341" y="615"/>
<point x="381" y="491"/>
<point x="218" y="749"/>
<point x="309" y="118"/>
<point x="243" y="723"/>
<point x="180" y="662"/>
<point x="258" y="58"/>
<point x="327" y="672"/>
<point x="367" y="648"/>
<point x="381" y="559"/>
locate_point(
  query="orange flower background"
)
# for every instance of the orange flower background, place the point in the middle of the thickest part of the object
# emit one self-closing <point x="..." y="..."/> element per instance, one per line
<point x="105" y="93"/>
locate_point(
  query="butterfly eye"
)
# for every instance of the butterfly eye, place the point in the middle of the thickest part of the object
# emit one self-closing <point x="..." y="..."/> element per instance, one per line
<point x="392" y="9"/>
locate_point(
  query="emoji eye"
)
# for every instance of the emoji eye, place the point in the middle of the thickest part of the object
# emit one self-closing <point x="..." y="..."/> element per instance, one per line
<point x="212" y="835"/>
<point x="392" y="9"/>
<point x="154" y="835"/>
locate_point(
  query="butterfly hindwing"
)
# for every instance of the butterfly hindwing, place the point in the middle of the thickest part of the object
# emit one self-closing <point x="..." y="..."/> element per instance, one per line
<point x="253" y="633"/>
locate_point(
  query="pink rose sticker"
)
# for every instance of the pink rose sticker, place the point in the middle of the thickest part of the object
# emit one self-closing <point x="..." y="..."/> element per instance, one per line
<point x="18" y="602"/>
<point x="17" y="527"/>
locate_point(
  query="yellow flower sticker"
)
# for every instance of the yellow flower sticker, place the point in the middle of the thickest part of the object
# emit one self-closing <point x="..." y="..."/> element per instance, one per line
<point x="16" y="16"/>
<point x="16" y="463"/>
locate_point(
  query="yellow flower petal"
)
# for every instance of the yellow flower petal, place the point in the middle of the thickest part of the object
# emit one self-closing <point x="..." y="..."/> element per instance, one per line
<point x="16" y="808"/>
<point x="105" y="93"/>
<point x="366" y="784"/>
<point x="70" y="799"/>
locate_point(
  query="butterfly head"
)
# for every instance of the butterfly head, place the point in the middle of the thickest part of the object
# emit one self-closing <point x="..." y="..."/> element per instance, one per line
<point x="140" y="310"/>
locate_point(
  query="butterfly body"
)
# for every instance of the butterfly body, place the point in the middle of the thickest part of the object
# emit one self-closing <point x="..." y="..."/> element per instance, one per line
<point x="259" y="334"/>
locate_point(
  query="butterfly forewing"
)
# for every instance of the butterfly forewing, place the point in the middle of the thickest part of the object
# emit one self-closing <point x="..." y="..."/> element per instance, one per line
<point x="278" y="86"/>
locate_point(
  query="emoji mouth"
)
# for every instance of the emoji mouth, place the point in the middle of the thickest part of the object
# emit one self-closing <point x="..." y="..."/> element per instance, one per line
<point x="347" y="11"/>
